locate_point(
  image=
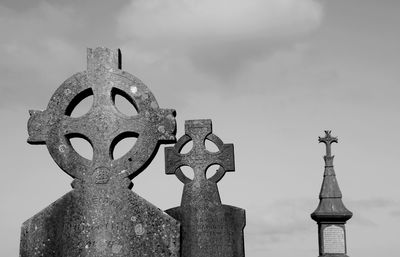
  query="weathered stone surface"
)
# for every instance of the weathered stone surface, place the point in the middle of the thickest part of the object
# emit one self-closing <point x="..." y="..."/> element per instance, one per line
<point x="101" y="221"/>
<point x="209" y="228"/>
<point x="101" y="216"/>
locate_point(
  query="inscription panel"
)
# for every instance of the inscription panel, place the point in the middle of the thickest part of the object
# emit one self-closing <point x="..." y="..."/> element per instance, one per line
<point x="334" y="239"/>
<point x="100" y="223"/>
<point x="212" y="231"/>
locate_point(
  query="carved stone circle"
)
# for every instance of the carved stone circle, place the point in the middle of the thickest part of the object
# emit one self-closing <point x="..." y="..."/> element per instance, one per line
<point x="104" y="125"/>
<point x="199" y="158"/>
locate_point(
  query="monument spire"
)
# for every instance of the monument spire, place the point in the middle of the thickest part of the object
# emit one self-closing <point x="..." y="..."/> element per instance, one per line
<point x="330" y="187"/>
<point x="331" y="214"/>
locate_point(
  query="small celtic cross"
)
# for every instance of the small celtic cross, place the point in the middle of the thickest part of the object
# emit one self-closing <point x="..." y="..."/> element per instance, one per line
<point x="199" y="158"/>
<point x="328" y="140"/>
<point x="208" y="227"/>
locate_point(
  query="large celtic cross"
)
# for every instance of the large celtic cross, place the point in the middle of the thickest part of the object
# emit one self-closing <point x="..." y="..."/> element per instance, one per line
<point x="103" y="126"/>
<point x="101" y="217"/>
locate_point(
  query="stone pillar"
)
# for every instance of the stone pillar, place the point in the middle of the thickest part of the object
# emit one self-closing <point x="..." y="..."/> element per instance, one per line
<point x="331" y="214"/>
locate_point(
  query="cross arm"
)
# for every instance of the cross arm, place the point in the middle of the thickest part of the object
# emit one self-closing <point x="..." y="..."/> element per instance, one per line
<point x="38" y="127"/>
<point x="226" y="157"/>
<point x="173" y="160"/>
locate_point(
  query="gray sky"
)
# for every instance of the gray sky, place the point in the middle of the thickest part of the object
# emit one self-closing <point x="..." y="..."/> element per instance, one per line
<point x="272" y="75"/>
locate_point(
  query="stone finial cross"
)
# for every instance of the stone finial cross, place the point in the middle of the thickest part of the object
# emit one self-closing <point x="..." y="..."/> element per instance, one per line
<point x="199" y="158"/>
<point x="328" y="140"/>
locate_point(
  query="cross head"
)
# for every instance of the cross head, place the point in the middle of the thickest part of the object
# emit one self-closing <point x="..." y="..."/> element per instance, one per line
<point x="199" y="158"/>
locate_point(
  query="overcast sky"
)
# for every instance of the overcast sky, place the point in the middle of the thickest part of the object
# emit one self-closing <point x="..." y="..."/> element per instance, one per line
<point x="272" y="75"/>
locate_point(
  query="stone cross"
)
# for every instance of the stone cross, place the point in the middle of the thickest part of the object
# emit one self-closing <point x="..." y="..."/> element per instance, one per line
<point x="209" y="228"/>
<point x="328" y="140"/>
<point x="101" y="216"/>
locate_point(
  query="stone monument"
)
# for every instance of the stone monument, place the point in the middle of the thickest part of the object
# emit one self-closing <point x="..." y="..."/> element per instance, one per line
<point x="331" y="214"/>
<point x="101" y="216"/>
<point x="208" y="228"/>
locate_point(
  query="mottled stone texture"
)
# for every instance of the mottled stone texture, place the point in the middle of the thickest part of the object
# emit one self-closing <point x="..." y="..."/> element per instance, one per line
<point x="209" y="228"/>
<point x="101" y="216"/>
<point x="102" y="221"/>
<point x="331" y="214"/>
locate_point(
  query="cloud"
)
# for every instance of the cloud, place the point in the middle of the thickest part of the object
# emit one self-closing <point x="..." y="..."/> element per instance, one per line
<point x="35" y="44"/>
<point x="284" y="220"/>
<point x="395" y="213"/>
<point x="366" y="210"/>
<point x="45" y="43"/>
<point x="373" y="203"/>
<point x="218" y="36"/>
<point x="289" y="219"/>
